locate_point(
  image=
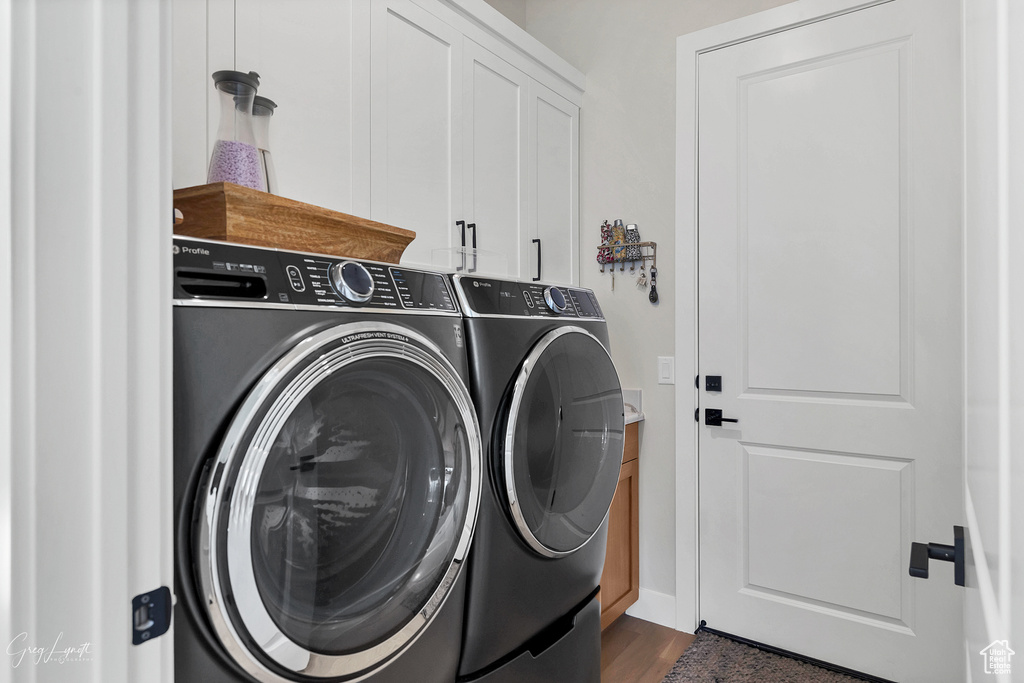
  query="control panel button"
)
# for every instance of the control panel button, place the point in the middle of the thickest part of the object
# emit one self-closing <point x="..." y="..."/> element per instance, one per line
<point x="295" y="278"/>
<point x="352" y="281"/>
<point x="555" y="300"/>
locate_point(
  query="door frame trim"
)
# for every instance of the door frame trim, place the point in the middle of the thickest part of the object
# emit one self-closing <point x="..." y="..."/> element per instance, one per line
<point x="994" y="308"/>
<point x="689" y="47"/>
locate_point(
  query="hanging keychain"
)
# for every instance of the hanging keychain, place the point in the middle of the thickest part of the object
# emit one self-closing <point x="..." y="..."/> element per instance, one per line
<point x="641" y="279"/>
<point x="654" y="284"/>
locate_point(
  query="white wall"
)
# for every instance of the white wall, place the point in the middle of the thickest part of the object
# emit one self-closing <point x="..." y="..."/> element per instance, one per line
<point x="627" y="50"/>
<point x="513" y="9"/>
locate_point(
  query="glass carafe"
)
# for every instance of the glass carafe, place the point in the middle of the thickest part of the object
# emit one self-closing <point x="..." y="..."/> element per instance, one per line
<point x="262" y="111"/>
<point x="235" y="157"/>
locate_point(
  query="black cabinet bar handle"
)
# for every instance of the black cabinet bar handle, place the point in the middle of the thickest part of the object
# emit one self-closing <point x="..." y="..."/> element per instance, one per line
<point x="537" y="242"/>
<point x="462" y="225"/>
<point x="471" y="226"/>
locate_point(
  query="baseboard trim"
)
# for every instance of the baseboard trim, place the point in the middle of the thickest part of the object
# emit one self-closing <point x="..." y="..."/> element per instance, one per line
<point x="658" y="608"/>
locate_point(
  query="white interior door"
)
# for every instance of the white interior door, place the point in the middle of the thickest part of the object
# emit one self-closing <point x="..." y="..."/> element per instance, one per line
<point x="495" y="119"/>
<point x="829" y="223"/>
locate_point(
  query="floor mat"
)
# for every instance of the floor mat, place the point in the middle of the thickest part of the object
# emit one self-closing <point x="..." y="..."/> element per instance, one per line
<point x="713" y="659"/>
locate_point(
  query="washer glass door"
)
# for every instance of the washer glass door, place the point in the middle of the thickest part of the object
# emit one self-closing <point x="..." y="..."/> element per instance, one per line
<point x="563" y="441"/>
<point x="341" y="505"/>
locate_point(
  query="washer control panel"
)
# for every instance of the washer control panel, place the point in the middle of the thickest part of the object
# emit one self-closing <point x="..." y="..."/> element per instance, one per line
<point x="209" y="270"/>
<point x="490" y="297"/>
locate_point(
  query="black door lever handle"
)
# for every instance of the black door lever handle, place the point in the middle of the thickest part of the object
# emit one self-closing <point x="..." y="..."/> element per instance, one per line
<point x="920" y="553"/>
<point x="713" y="417"/>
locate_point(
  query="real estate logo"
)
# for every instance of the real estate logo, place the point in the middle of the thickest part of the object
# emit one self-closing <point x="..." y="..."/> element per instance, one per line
<point x="997" y="657"/>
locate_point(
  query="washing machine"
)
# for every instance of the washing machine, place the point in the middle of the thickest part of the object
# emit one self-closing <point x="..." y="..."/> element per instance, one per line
<point x="550" y="408"/>
<point x="327" y="468"/>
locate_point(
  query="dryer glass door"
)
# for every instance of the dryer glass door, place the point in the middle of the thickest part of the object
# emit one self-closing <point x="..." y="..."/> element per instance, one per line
<point x="341" y="505"/>
<point x="563" y="441"/>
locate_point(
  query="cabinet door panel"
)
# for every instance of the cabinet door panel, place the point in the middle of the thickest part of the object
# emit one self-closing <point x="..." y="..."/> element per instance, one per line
<point x="305" y="61"/>
<point x="620" y="581"/>
<point x="415" y="144"/>
<point x="494" y="120"/>
<point x="203" y="41"/>
<point x="554" y="185"/>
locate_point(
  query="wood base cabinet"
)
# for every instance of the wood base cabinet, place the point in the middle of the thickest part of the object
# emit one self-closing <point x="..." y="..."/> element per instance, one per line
<point x="620" y="582"/>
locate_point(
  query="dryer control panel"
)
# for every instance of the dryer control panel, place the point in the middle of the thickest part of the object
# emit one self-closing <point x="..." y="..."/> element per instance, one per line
<point x="488" y="297"/>
<point x="207" y="271"/>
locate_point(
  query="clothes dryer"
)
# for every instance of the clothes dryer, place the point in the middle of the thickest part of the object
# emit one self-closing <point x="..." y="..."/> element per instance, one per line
<point x="550" y="407"/>
<point x="326" y="468"/>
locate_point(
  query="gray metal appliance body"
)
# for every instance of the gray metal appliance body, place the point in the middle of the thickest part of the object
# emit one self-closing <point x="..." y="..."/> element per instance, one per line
<point x="223" y="348"/>
<point x="530" y="616"/>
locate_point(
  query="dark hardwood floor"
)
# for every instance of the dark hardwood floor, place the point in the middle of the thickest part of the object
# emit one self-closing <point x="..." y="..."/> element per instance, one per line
<point x="637" y="651"/>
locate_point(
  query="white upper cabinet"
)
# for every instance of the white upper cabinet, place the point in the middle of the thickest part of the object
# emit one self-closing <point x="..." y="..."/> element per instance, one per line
<point x="415" y="125"/>
<point x="495" y="148"/>
<point x="305" y="62"/>
<point x="417" y="113"/>
<point x="553" y="167"/>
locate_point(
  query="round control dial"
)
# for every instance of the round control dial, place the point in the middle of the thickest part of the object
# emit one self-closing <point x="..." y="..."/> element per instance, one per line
<point x="353" y="282"/>
<point x="555" y="300"/>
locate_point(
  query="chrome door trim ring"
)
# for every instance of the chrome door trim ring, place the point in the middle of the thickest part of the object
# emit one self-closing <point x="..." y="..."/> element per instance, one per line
<point x="509" y="455"/>
<point x="248" y="604"/>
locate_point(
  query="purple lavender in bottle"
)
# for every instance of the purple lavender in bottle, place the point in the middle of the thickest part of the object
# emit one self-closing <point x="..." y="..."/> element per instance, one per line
<point x="235" y="157"/>
<point x="236" y="162"/>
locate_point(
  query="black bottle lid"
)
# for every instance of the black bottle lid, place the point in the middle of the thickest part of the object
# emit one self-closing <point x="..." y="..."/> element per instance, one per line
<point x="251" y="79"/>
<point x="266" y="103"/>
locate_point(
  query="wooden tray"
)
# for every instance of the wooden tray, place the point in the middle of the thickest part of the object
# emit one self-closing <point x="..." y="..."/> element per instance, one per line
<point x="232" y="213"/>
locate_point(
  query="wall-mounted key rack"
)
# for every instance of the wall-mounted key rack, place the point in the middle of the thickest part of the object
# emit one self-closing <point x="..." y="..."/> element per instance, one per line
<point x="632" y="253"/>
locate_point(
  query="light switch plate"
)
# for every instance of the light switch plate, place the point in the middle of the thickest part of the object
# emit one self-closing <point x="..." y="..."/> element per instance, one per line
<point x="666" y="370"/>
